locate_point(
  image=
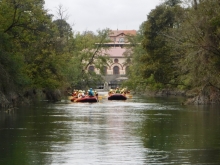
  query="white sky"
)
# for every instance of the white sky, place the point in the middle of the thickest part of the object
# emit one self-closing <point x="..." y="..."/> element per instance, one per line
<point x="93" y="15"/>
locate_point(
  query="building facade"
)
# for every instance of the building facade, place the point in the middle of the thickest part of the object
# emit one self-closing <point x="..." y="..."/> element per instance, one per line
<point x="116" y="71"/>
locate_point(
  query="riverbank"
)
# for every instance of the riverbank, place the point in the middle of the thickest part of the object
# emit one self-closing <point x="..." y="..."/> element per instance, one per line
<point x="209" y="94"/>
<point x="14" y="99"/>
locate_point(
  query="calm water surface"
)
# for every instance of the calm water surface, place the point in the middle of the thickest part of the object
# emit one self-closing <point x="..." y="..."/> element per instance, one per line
<point x="137" y="131"/>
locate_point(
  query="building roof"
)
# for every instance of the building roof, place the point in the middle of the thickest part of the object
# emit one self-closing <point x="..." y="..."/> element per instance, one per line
<point x="125" y="32"/>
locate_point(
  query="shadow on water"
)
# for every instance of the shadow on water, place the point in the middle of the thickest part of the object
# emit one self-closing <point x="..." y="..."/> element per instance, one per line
<point x="140" y="130"/>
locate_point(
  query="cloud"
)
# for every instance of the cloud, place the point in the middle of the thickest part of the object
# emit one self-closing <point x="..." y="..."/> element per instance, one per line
<point x="100" y="14"/>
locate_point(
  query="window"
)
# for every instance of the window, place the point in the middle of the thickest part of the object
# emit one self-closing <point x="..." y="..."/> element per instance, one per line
<point x="115" y="70"/>
<point x="115" y="60"/>
<point x="121" y="40"/>
<point x="91" y="69"/>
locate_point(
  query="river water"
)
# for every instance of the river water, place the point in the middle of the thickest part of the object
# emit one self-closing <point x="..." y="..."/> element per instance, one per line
<point x="138" y="131"/>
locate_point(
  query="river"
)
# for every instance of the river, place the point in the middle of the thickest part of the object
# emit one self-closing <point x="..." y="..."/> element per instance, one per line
<point x="138" y="131"/>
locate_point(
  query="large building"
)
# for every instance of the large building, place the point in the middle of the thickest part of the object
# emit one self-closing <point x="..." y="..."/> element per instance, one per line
<point x="116" y="71"/>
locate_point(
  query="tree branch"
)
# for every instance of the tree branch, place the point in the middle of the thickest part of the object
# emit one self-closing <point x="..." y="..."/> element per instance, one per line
<point x="96" y="51"/>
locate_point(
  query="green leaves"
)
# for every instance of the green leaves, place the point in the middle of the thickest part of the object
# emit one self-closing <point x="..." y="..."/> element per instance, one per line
<point x="180" y="47"/>
<point x="159" y="60"/>
<point x="88" y="51"/>
<point x="29" y="54"/>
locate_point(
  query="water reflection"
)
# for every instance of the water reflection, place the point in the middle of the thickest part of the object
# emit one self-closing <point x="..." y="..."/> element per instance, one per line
<point x="135" y="131"/>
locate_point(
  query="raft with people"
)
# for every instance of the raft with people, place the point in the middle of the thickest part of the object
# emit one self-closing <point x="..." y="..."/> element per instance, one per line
<point x="117" y="94"/>
<point x="81" y="96"/>
<point x="89" y="99"/>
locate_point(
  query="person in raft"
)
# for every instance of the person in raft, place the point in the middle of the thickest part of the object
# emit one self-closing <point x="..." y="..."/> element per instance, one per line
<point x="117" y="90"/>
<point x="110" y="92"/>
<point x="81" y="94"/>
<point x="90" y="92"/>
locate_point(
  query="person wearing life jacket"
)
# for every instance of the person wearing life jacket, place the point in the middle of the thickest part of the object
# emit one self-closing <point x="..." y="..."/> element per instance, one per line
<point x="123" y="91"/>
<point x="110" y="92"/>
<point x="74" y="93"/>
<point x="81" y="94"/>
<point x="90" y="92"/>
<point x="96" y="93"/>
<point x="117" y="90"/>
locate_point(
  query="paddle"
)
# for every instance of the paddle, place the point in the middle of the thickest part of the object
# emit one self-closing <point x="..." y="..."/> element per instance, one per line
<point x="100" y="97"/>
<point x="129" y="96"/>
<point x="70" y="97"/>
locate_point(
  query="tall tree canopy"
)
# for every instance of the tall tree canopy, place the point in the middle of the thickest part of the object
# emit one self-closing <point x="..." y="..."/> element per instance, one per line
<point x="199" y="36"/>
<point x="180" y="46"/>
<point x="37" y="52"/>
<point x="159" y="59"/>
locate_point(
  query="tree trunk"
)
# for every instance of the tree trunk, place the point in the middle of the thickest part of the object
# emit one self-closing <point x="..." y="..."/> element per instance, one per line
<point x="195" y="4"/>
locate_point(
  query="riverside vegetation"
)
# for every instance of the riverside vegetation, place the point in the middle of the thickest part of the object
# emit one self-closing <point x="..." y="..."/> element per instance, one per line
<point x="179" y="51"/>
<point x="176" y="49"/>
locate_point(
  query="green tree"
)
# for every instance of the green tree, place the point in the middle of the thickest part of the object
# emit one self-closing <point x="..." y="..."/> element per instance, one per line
<point x="172" y="2"/>
<point x="87" y="49"/>
<point x="159" y="60"/>
<point x="136" y="65"/>
<point x="154" y="60"/>
<point x="17" y="20"/>
<point x="29" y="55"/>
<point x="199" y="36"/>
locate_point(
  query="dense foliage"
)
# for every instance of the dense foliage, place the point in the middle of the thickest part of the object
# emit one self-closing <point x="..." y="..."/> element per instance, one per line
<point x="179" y="47"/>
<point x="37" y="52"/>
<point x="176" y="47"/>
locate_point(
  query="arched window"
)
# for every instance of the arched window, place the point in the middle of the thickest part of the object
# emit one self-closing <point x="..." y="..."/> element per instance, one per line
<point x="115" y="60"/>
<point x="115" y="70"/>
<point x="91" y="69"/>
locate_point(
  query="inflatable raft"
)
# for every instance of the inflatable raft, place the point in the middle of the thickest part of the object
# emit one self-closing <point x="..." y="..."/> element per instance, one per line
<point x="86" y="99"/>
<point x="117" y="96"/>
